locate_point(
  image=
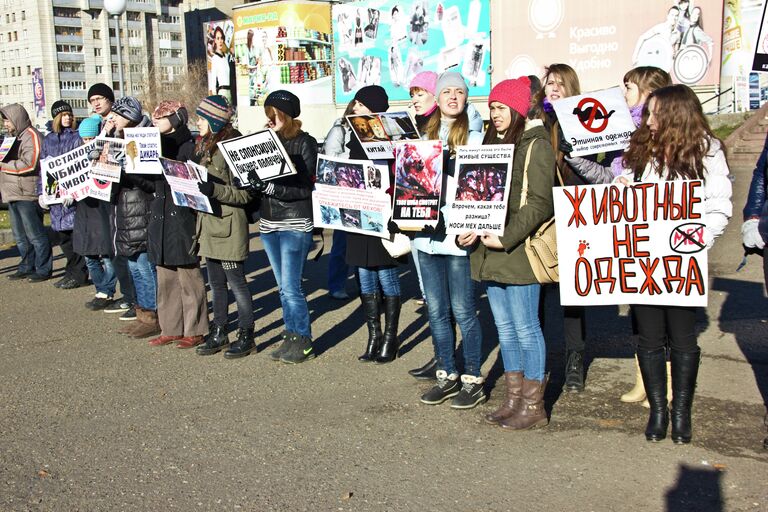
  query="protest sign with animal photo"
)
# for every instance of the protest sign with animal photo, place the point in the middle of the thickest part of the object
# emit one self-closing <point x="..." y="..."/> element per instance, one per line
<point x="183" y="178"/>
<point x="142" y="151"/>
<point x="261" y="152"/>
<point x="640" y="244"/>
<point x="377" y="133"/>
<point x="67" y="175"/>
<point x="418" y="183"/>
<point x="106" y="158"/>
<point x="477" y="200"/>
<point x="595" y="122"/>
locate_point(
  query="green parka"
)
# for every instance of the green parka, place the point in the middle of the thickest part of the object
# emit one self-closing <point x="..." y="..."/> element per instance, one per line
<point x="510" y="265"/>
<point x="223" y="234"/>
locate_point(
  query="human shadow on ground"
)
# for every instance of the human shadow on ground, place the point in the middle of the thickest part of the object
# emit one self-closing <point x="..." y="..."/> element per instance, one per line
<point x="696" y="490"/>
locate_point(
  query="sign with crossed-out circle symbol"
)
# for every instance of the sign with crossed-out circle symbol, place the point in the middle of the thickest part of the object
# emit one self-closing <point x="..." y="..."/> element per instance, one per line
<point x="687" y="238"/>
<point x="592" y="115"/>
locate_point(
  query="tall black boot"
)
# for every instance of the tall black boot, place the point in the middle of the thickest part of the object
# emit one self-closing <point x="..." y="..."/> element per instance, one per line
<point x="391" y="343"/>
<point x="373" y="319"/>
<point x="574" y="371"/>
<point x="243" y="345"/>
<point x="685" y="368"/>
<point x="653" y="366"/>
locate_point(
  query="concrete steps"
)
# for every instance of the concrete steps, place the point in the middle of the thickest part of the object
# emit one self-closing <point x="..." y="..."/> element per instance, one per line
<point x="746" y="142"/>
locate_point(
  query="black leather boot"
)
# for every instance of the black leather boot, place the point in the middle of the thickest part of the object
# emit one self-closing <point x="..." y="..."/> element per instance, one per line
<point x="243" y="345"/>
<point x="391" y="343"/>
<point x="426" y="372"/>
<point x="653" y="366"/>
<point x="574" y="371"/>
<point x="214" y="342"/>
<point x="373" y="319"/>
<point x="685" y="368"/>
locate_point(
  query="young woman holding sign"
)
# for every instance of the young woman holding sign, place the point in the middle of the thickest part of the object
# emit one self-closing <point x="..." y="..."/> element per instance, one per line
<point x="286" y="225"/>
<point x="501" y="262"/>
<point x="448" y="286"/>
<point x="675" y="143"/>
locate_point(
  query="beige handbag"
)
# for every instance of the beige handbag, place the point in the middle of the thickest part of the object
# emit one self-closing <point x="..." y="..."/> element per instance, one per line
<point x="541" y="247"/>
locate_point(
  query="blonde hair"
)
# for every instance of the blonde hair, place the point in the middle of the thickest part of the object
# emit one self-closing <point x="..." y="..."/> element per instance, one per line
<point x="458" y="133"/>
<point x="57" y="128"/>
<point x="647" y="79"/>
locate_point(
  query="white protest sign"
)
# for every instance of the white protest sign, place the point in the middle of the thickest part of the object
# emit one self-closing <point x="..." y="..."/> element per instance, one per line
<point x="106" y="157"/>
<point x="639" y="244"/>
<point x="6" y="146"/>
<point x="595" y="122"/>
<point x="477" y="199"/>
<point x="350" y="196"/>
<point x="377" y="133"/>
<point x="50" y="191"/>
<point x="142" y="151"/>
<point x="70" y="171"/>
<point x="183" y="179"/>
<point x="261" y="152"/>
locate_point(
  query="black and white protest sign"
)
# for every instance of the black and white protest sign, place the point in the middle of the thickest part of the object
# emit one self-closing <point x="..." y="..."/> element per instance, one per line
<point x="69" y="172"/>
<point x="261" y="152"/>
<point x="142" y="151"/>
<point x="106" y="158"/>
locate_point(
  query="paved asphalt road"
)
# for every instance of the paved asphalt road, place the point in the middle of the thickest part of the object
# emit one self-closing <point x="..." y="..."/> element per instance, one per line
<point x="90" y="420"/>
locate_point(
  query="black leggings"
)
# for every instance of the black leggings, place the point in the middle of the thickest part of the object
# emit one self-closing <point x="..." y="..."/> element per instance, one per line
<point x="657" y="324"/>
<point x="233" y="272"/>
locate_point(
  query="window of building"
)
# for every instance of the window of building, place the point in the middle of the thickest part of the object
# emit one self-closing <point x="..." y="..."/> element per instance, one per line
<point x="15" y="35"/>
<point x="175" y="36"/>
<point x="7" y="18"/>
<point x="66" y="12"/>
<point x="97" y="52"/>
<point x="135" y="68"/>
<point x="18" y="70"/>
<point x="97" y="34"/>
<point x="71" y="67"/>
<point x="23" y="15"/>
<point x="133" y="16"/>
<point x="135" y="52"/>
<point x="99" y="70"/>
<point x="13" y="17"/>
<point x="29" y="70"/>
<point x="67" y="31"/>
<point x="13" y="71"/>
<point x="115" y="86"/>
<point x="24" y="35"/>
<point x="113" y="50"/>
<point x="2" y="37"/>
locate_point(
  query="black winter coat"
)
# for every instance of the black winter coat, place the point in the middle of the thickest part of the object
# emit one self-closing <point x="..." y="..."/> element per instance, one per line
<point x="366" y="250"/>
<point x="171" y="231"/>
<point x="292" y="198"/>
<point x="130" y="218"/>
<point x="91" y="234"/>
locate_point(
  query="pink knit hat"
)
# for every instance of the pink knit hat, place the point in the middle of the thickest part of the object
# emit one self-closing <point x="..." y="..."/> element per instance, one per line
<point x="516" y="94"/>
<point x="426" y="80"/>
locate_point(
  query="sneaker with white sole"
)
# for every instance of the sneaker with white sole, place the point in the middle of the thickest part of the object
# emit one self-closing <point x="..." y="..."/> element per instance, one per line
<point x="447" y="387"/>
<point x="119" y="306"/>
<point x="471" y="394"/>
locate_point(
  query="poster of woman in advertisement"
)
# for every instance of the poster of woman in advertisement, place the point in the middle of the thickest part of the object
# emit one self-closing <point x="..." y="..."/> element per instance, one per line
<point x="370" y="70"/>
<point x="358" y="30"/>
<point x="658" y="45"/>
<point x="348" y="78"/>
<point x="695" y="33"/>
<point x="419" y="26"/>
<point x="219" y="74"/>
<point x="395" y="65"/>
<point x="396" y="25"/>
<point x="260" y="60"/>
<point x="372" y="28"/>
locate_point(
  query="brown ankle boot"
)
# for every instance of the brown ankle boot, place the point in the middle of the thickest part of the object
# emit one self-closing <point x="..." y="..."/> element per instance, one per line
<point x="530" y="413"/>
<point x="148" y="324"/>
<point x="128" y="329"/>
<point x="514" y="382"/>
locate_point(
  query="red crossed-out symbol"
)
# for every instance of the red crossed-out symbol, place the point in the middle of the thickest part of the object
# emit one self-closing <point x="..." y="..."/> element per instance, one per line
<point x="100" y="184"/>
<point x="588" y="121"/>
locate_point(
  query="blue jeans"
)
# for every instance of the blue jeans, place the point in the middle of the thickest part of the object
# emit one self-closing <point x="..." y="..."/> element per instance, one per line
<point x="102" y="274"/>
<point x="144" y="278"/>
<point x="31" y="238"/>
<point x="516" y="314"/>
<point x="287" y="252"/>
<point x="449" y="287"/>
<point x="338" y="270"/>
<point x="388" y="276"/>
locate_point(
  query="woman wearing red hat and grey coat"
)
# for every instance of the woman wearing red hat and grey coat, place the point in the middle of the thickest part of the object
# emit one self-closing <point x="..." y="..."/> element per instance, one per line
<point x="501" y="261"/>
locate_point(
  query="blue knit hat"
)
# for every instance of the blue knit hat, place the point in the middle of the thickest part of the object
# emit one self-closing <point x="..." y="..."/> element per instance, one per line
<point x="215" y="110"/>
<point x="89" y="127"/>
<point x="129" y="108"/>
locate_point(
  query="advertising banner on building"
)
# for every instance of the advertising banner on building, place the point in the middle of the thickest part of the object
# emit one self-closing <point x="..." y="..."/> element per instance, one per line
<point x="595" y="122"/>
<point x="387" y="42"/>
<point x="602" y="40"/>
<point x="350" y="195"/>
<point x="220" y="57"/>
<point x="284" y="45"/>
<point x="477" y="200"/>
<point x="640" y="244"/>
<point x="760" y="62"/>
<point x="38" y="91"/>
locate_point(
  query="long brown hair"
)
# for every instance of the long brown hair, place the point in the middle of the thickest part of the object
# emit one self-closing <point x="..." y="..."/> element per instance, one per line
<point x="206" y="146"/>
<point x="458" y="133"/>
<point x="570" y="82"/>
<point x="291" y="126"/>
<point x="513" y="134"/>
<point x="647" y="79"/>
<point x="682" y="139"/>
<point x="56" y="124"/>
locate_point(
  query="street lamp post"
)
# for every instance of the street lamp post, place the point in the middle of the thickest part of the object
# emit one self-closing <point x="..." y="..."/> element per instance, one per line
<point x="116" y="8"/>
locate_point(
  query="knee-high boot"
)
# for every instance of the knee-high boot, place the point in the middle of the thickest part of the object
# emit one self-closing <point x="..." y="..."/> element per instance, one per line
<point x="653" y="366"/>
<point x="685" y="368"/>
<point x="373" y="319"/>
<point x="391" y="343"/>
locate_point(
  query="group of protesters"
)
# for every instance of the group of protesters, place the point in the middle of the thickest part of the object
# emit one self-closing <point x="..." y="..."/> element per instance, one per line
<point x="153" y="248"/>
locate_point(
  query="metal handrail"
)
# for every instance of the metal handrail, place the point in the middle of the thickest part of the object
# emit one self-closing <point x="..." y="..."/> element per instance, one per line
<point x="717" y="96"/>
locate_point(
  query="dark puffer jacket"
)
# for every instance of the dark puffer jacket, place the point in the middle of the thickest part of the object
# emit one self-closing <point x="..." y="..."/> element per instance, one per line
<point x="171" y="228"/>
<point x="757" y="203"/>
<point x="91" y="234"/>
<point x="130" y="219"/>
<point x="55" y="144"/>
<point x="292" y="197"/>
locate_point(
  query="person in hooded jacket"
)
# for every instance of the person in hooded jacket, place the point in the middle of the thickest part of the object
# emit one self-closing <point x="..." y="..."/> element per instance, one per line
<point x="182" y="306"/>
<point x="19" y="186"/>
<point x="130" y="223"/>
<point x="285" y="226"/>
<point x="62" y="138"/>
<point x="375" y="265"/>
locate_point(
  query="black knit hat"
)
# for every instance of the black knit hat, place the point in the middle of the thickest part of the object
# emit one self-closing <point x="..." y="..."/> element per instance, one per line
<point x="129" y="108"/>
<point x="101" y="90"/>
<point x="59" y="107"/>
<point x="285" y="102"/>
<point x="374" y="97"/>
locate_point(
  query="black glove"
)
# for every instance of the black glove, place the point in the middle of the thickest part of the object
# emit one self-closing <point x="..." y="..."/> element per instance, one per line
<point x="428" y="229"/>
<point x="205" y="188"/>
<point x="563" y="145"/>
<point x="392" y="227"/>
<point x="256" y="183"/>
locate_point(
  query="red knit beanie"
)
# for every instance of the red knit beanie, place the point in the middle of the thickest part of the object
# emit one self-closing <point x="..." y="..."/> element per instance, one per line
<point x="516" y="94"/>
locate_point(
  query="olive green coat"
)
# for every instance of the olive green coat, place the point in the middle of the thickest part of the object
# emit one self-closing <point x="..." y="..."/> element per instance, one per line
<point x="510" y="265"/>
<point x="223" y="234"/>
